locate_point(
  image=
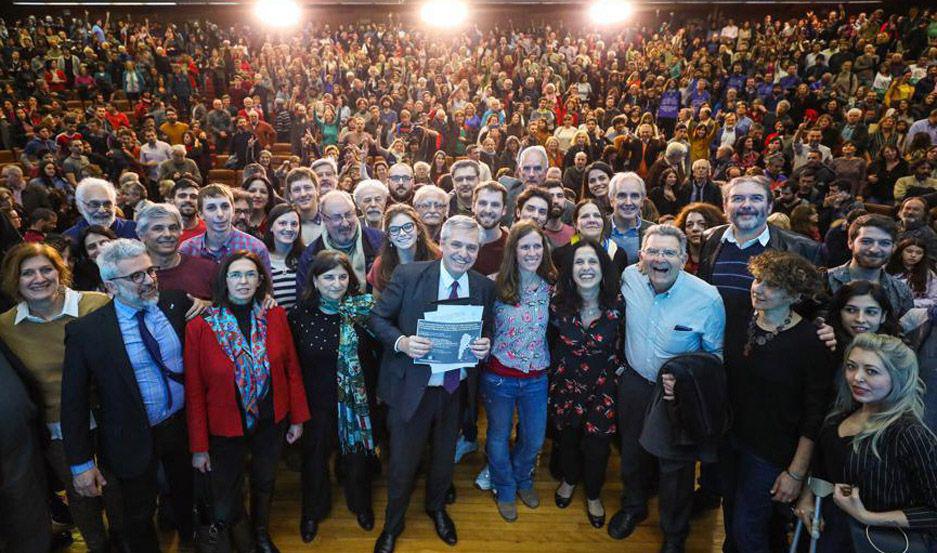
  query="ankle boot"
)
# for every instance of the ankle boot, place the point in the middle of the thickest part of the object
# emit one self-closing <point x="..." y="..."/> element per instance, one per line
<point x="260" y="511"/>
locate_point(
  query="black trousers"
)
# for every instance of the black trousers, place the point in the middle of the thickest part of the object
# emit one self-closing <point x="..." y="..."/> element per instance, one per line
<point x="24" y="508"/>
<point x="638" y="466"/>
<point x="436" y="419"/>
<point x="320" y="440"/>
<point x="583" y="457"/>
<point x="138" y="493"/>
<point x="230" y="457"/>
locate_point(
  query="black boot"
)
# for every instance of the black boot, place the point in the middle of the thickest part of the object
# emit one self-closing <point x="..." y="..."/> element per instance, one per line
<point x="260" y="511"/>
<point x="242" y="539"/>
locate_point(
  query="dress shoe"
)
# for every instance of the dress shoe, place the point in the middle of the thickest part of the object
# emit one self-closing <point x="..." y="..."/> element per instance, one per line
<point x="385" y="543"/>
<point x="529" y="498"/>
<point x="308" y="528"/>
<point x="365" y="520"/>
<point x="507" y="510"/>
<point x="563" y="502"/>
<point x="597" y="521"/>
<point x="445" y="528"/>
<point x="673" y="546"/>
<point x="623" y="524"/>
<point x="263" y="542"/>
<point x="450" y="494"/>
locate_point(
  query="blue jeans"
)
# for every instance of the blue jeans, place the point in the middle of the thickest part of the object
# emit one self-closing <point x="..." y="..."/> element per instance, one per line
<point x="513" y="470"/>
<point x="753" y="508"/>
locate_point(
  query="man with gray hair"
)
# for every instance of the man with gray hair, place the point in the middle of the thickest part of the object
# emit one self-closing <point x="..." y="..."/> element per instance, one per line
<point x="371" y="198"/>
<point x="343" y="233"/>
<point x="326" y="171"/>
<point x="688" y="316"/>
<point x="96" y="201"/>
<point x="159" y="227"/>
<point x="626" y="195"/>
<point x="855" y="131"/>
<point x="425" y="406"/>
<point x="674" y="158"/>
<point x="532" y="166"/>
<point x="432" y="204"/>
<point x="127" y="357"/>
<point x="178" y="166"/>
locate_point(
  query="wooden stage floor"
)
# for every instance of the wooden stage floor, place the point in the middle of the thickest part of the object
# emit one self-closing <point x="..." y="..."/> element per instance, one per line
<point x="480" y="528"/>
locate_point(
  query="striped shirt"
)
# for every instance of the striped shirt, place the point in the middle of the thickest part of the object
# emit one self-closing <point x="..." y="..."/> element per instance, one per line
<point x="284" y="283"/>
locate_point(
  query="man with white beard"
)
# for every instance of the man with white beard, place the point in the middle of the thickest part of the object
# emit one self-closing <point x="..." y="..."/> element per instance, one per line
<point x="96" y="201"/>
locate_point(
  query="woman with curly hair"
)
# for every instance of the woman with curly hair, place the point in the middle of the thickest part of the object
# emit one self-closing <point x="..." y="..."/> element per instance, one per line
<point x="694" y="219"/>
<point x="779" y="380"/>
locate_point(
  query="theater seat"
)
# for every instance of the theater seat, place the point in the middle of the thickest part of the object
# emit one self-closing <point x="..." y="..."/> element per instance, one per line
<point x="881" y="209"/>
<point x="7" y="156"/>
<point x="223" y="176"/>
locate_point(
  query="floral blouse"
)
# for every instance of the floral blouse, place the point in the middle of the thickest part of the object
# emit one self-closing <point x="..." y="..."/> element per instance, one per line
<point x="583" y="375"/>
<point x="520" y="331"/>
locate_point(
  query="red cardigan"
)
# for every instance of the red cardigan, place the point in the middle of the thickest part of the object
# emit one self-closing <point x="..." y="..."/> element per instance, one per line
<point x="209" y="381"/>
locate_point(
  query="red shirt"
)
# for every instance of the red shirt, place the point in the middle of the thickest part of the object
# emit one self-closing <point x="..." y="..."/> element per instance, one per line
<point x="211" y="404"/>
<point x="194" y="231"/>
<point x="193" y="275"/>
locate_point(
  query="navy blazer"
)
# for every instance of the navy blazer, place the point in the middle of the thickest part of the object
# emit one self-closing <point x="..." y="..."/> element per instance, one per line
<point x="413" y="290"/>
<point x="98" y="374"/>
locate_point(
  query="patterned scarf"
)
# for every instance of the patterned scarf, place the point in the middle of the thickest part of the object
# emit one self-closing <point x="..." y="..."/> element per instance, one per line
<point x="354" y="420"/>
<point x="251" y="366"/>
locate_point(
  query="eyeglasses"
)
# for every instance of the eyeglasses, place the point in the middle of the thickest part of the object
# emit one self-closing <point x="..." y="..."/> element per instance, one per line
<point x="238" y="275"/>
<point x="465" y="179"/>
<point x="95" y="205"/>
<point x="339" y="217"/>
<point x="667" y="254"/>
<point x="138" y="276"/>
<point x="405" y="228"/>
<point x="400" y="178"/>
<point x="430" y="205"/>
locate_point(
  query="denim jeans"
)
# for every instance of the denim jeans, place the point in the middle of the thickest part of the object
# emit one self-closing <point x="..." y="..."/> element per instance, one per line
<point x="512" y="469"/>
<point x="754" y="510"/>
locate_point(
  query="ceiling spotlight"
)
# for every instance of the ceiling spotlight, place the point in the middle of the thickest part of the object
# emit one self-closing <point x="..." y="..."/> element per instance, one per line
<point x="278" y="13"/>
<point x="444" y="13"/>
<point x="610" y="12"/>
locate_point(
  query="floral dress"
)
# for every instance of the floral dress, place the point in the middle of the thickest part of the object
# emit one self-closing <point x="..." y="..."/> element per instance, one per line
<point x="583" y="379"/>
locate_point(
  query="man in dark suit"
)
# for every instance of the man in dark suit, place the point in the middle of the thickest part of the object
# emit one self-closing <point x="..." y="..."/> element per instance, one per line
<point x="643" y="150"/>
<point x="125" y="361"/>
<point x="425" y="406"/>
<point x="701" y="187"/>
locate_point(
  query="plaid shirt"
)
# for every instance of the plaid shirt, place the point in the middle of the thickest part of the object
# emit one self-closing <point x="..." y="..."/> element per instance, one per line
<point x="237" y="240"/>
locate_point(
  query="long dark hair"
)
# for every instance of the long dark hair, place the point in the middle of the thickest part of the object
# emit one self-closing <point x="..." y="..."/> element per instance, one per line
<point x="296" y="250"/>
<point x="426" y="248"/>
<point x="325" y="261"/>
<point x="508" y="281"/>
<point x="85" y="274"/>
<point x="858" y="288"/>
<point x="584" y="192"/>
<point x="917" y="277"/>
<point x="567" y="296"/>
<point x="219" y="286"/>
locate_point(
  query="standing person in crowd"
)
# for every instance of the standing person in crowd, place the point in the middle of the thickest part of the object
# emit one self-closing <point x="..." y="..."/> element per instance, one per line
<point x="160" y="228"/>
<point x="432" y="204"/>
<point x="284" y="241"/>
<point x="872" y="242"/>
<point x="85" y="273"/>
<point x="344" y="233"/>
<point x="875" y="449"/>
<point x="778" y="383"/>
<point x="489" y="204"/>
<point x="371" y="198"/>
<point x="338" y="364"/>
<point x="531" y="172"/>
<point x="586" y="335"/>
<point x="244" y="392"/>
<point x="407" y="241"/>
<point x="421" y="404"/>
<point x="516" y="372"/>
<point x="689" y="317"/>
<point x="263" y="199"/>
<point x="910" y="264"/>
<point x="858" y="307"/>
<point x="184" y="196"/>
<point x="592" y="224"/>
<point x="216" y="207"/>
<point x="303" y="194"/>
<point x="24" y="510"/>
<point x="96" y="200"/>
<point x="694" y="220"/>
<point x="466" y="175"/>
<point x="595" y="185"/>
<point x="626" y="194"/>
<point x="127" y="357"/>
<point x="37" y="278"/>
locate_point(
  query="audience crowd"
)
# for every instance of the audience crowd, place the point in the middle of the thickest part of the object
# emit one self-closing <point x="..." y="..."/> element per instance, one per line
<point x="709" y="243"/>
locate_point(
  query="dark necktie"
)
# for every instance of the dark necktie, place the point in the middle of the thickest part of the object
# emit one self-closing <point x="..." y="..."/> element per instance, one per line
<point x="152" y="347"/>
<point x="450" y="381"/>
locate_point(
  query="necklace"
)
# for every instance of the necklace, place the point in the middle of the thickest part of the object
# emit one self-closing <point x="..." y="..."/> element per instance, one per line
<point x="760" y="339"/>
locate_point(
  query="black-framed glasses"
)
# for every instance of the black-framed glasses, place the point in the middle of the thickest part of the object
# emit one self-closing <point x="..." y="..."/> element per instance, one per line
<point x="95" y="205"/>
<point x="405" y="228"/>
<point x="138" y="276"/>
